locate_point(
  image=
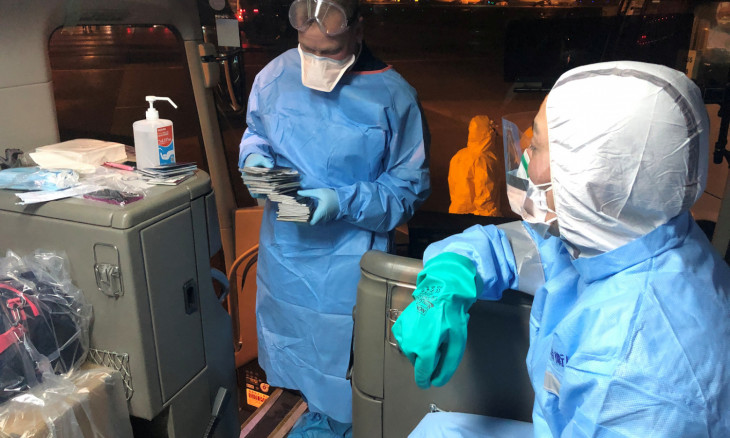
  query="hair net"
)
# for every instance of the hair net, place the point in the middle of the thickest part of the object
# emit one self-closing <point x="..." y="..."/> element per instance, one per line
<point x="628" y="151"/>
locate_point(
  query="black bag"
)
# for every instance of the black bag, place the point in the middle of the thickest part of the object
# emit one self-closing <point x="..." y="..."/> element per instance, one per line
<point x="37" y="325"/>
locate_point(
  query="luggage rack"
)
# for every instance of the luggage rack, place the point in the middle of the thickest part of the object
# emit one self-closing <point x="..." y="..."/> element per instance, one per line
<point x="117" y="361"/>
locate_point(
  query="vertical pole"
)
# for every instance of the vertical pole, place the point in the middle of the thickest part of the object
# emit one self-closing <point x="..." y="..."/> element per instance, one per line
<point x="214" y="152"/>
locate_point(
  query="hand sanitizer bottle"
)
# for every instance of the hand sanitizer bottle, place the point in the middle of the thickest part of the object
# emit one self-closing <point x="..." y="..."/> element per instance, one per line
<point x="154" y="142"/>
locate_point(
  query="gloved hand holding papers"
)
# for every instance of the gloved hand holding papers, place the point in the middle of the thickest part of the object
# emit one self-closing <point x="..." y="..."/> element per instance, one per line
<point x="280" y="185"/>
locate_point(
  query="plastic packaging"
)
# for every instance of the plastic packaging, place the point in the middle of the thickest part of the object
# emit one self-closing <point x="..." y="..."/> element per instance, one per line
<point x="115" y="197"/>
<point x="154" y="141"/>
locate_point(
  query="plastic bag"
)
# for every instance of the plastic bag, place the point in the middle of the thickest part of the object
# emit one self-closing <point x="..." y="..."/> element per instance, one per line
<point x="44" y="320"/>
<point x="115" y="186"/>
<point x="89" y="403"/>
<point x="111" y="196"/>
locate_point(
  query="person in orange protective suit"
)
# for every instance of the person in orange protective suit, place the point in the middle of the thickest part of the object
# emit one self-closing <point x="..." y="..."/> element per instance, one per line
<point x="476" y="173"/>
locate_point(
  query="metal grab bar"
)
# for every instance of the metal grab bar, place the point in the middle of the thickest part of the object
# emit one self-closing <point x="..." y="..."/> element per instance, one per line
<point x="251" y="254"/>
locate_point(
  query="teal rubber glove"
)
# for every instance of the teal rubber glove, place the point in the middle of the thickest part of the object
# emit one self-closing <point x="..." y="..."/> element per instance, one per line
<point x="258" y="160"/>
<point x="431" y="331"/>
<point x="328" y="206"/>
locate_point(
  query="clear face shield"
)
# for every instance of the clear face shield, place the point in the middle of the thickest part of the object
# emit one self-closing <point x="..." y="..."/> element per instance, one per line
<point x="329" y="16"/>
<point x="515" y="160"/>
<point x="525" y="198"/>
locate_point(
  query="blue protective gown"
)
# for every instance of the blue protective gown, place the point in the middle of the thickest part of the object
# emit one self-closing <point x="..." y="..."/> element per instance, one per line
<point x="631" y="343"/>
<point x="367" y="140"/>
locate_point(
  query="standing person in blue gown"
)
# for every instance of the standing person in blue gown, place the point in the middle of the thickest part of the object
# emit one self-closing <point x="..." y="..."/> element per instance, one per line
<point x="630" y="333"/>
<point x="353" y="128"/>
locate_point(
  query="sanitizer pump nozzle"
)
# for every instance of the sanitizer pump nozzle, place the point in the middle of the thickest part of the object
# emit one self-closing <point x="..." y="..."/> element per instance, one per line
<point x="154" y="142"/>
<point x="152" y="113"/>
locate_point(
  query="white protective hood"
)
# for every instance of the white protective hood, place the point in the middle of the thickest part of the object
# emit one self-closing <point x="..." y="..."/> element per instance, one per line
<point x="628" y="151"/>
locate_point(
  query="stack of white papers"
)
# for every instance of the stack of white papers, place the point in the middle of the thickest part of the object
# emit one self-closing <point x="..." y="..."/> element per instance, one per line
<point x="280" y="185"/>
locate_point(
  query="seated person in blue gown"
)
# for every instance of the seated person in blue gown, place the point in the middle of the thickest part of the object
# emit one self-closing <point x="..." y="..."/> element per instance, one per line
<point x="630" y="333"/>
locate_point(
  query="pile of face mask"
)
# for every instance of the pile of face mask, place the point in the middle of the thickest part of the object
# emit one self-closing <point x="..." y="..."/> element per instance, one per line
<point x="35" y="178"/>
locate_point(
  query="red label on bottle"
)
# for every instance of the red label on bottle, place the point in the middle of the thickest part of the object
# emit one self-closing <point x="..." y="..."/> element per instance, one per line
<point x="164" y="136"/>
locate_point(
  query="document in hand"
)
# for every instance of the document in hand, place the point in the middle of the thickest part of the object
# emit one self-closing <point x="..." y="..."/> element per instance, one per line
<point x="280" y="185"/>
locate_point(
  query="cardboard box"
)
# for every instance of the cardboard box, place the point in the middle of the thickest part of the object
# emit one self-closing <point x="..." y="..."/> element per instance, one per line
<point x="91" y="403"/>
<point x="257" y="390"/>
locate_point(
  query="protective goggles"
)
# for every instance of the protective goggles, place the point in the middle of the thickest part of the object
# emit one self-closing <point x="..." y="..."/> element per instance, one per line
<point x="329" y="16"/>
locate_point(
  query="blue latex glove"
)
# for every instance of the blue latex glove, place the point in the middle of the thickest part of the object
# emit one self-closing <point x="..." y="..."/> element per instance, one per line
<point x="258" y="160"/>
<point x="328" y="206"/>
<point x="431" y="331"/>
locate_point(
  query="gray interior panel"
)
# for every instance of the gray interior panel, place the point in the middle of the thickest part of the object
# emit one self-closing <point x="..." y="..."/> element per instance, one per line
<point x="160" y="307"/>
<point x="173" y="285"/>
<point x="491" y="379"/>
<point x="371" y="410"/>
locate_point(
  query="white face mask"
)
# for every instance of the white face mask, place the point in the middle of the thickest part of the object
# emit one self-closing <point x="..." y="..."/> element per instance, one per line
<point x="320" y="73"/>
<point x="536" y="210"/>
<point x="530" y="201"/>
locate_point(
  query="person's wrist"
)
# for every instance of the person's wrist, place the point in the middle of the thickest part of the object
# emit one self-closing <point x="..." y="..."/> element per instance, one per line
<point x="450" y="258"/>
<point x="449" y="276"/>
<point x="336" y="200"/>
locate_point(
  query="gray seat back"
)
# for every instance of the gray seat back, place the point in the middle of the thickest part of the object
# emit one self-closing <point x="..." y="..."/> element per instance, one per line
<point x="491" y="379"/>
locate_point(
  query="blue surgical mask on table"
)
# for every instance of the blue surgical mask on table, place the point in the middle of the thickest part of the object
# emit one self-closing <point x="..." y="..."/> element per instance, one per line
<point x="320" y="73"/>
<point x="35" y="178"/>
<point x="530" y="200"/>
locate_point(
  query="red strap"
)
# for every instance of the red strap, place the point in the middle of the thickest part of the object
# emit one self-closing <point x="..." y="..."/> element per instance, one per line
<point x="30" y="303"/>
<point x="10" y="337"/>
<point x="13" y="335"/>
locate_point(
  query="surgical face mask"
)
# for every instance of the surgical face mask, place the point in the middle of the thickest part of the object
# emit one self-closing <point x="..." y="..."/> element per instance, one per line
<point x="320" y="73"/>
<point x="536" y="211"/>
<point x="530" y="200"/>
